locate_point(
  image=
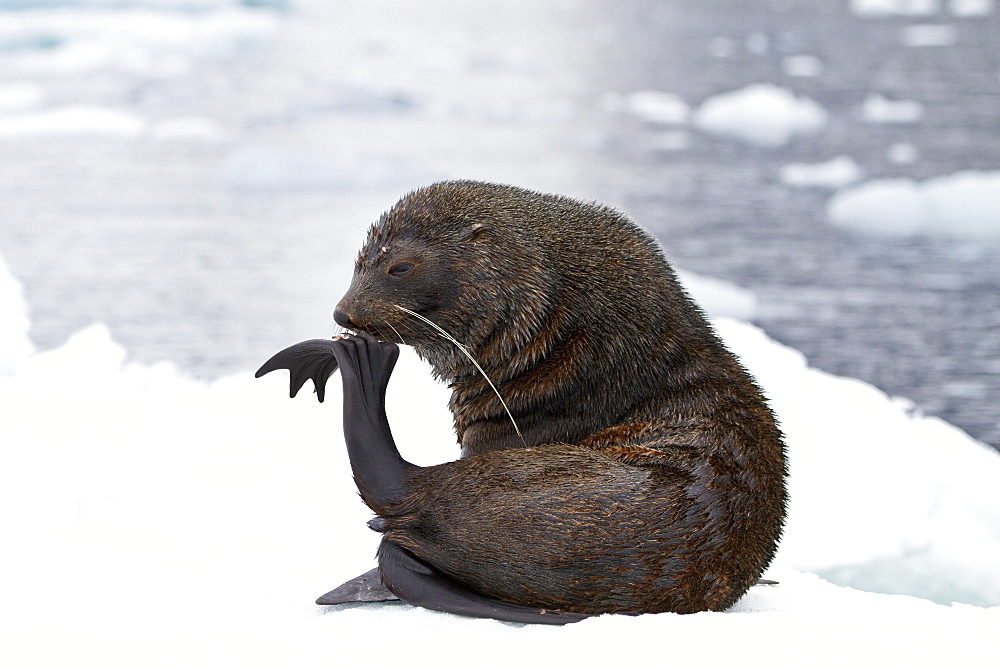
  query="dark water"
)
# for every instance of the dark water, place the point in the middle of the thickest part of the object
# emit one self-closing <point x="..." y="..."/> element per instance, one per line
<point x="193" y="251"/>
<point x="917" y="317"/>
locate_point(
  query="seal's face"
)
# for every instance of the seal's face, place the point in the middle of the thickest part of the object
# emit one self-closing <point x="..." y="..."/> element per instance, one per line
<point x="388" y="278"/>
<point x="446" y="259"/>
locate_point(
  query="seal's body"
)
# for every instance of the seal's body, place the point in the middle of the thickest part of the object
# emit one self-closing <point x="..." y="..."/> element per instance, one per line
<point x="631" y="465"/>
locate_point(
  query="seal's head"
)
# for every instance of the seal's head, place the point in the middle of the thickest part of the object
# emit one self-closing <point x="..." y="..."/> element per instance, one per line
<point x="435" y="253"/>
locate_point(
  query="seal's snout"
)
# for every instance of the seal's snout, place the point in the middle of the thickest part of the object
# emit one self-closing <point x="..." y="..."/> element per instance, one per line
<point x="343" y="318"/>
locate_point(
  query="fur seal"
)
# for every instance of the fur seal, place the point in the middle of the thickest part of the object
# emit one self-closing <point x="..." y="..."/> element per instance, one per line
<point x="616" y="457"/>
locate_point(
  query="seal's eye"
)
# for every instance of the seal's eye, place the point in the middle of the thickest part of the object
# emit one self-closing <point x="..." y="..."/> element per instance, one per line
<point x="401" y="269"/>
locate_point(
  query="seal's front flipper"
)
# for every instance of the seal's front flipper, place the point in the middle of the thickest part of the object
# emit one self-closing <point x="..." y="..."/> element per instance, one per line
<point x="310" y="359"/>
<point x="422" y="585"/>
<point x="379" y="471"/>
<point x="366" y="588"/>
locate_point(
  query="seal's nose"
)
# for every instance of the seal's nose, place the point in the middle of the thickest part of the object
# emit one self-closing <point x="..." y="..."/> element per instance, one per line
<point x="342" y="318"/>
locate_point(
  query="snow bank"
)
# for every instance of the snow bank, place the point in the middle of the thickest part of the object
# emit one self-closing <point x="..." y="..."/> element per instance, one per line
<point x="151" y="519"/>
<point x="883" y="498"/>
<point x="964" y="204"/>
<point x="762" y="114"/>
<point x="15" y="345"/>
<point x="834" y="173"/>
<point x="719" y="298"/>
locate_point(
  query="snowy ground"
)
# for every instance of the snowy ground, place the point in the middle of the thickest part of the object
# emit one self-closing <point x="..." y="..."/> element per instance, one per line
<point x="153" y="519"/>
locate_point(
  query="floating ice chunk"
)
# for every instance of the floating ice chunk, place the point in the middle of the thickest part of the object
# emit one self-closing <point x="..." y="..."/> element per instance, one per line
<point x="73" y="120"/>
<point x="881" y="8"/>
<point x="878" y="109"/>
<point x="834" y="173"/>
<point x="719" y="298"/>
<point x="802" y="66"/>
<point x="970" y="8"/>
<point x="658" y="107"/>
<point x="902" y="153"/>
<point x="763" y="114"/>
<point x="889" y="206"/>
<point x="930" y="34"/>
<point x="20" y="96"/>
<point x="964" y="204"/>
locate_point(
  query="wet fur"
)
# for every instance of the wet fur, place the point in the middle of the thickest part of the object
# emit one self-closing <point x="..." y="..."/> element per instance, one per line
<point x="651" y="474"/>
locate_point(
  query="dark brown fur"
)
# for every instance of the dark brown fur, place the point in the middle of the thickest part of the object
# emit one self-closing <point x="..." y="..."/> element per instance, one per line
<point x="651" y="474"/>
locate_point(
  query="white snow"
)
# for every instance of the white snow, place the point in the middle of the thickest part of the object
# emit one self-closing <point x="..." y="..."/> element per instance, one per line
<point x="151" y="519"/>
<point x="929" y="34"/>
<point x="883" y="8"/>
<point x="965" y="204"/>
<point x="834" y="173"/>
<point x="657" y="107"/>
<point x="762" y="114"/>
<point x="879" y="109"/>
<point x="719" y="298"/>
<point x="883" y="498"/>
<point x="15" y="345"/>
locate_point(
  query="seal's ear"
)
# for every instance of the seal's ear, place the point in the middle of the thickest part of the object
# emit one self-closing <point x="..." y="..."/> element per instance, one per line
<point x="476" y="230"/>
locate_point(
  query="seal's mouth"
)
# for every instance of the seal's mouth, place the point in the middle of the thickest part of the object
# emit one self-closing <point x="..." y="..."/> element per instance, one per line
<point x="383" y="331"/>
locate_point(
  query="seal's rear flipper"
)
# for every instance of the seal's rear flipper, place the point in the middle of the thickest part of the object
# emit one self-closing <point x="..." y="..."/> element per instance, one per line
<point x="366" y="588"/>
<point x="311" y="359"/>
<point x="419" y="584"/>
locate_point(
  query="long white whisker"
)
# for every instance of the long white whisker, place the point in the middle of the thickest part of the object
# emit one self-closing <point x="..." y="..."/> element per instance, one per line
<point x="472" y="359"/>
<point x="401" y="340"/>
